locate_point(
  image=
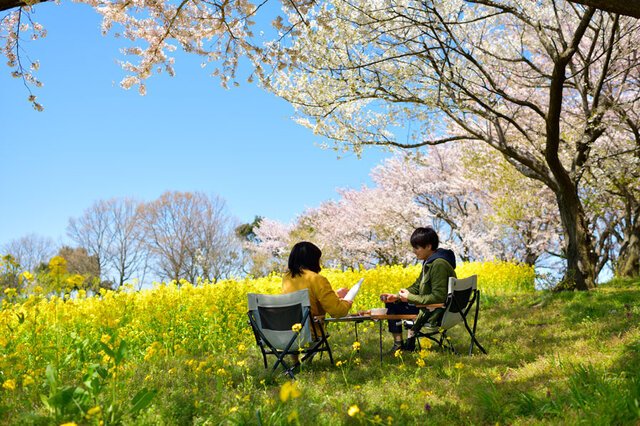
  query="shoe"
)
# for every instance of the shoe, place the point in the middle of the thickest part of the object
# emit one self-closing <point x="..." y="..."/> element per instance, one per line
<point x="396" y="347"/>
<point x="409" y="345"/>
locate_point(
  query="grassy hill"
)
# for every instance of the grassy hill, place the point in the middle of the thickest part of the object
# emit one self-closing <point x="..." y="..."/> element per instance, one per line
<point x="186" y="356"/>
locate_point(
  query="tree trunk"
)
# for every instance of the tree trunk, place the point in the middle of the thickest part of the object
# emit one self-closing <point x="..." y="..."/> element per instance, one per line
<point x="628" y="264"/>
<point x="624" y="7"/>
<point x="581" y="259"/>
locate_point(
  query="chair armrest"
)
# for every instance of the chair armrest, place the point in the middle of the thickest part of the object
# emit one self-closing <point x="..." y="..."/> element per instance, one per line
<point x="432" y="306"/>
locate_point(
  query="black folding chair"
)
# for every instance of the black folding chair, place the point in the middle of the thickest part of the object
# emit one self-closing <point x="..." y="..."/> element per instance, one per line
<point x="462" y="295"/>
<point x="273" y="317"/>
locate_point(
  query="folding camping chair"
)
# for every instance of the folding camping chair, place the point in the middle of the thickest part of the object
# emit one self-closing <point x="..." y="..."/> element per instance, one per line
<point x="462" y="295"/>
<point x="272" y="317"/>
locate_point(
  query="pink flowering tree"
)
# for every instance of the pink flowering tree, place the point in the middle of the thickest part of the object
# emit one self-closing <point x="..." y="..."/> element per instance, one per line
<point x="365" y="227"/>
<point x="270" y="247"/>
<point x="470" y="196"/>
<point x="539" y="82"/>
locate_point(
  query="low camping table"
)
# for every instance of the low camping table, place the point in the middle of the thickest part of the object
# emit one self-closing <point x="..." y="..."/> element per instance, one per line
<point x="357" y="319"/>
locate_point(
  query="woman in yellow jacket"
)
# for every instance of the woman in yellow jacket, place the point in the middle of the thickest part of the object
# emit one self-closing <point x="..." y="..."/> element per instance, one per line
<point x="304" y="268"/>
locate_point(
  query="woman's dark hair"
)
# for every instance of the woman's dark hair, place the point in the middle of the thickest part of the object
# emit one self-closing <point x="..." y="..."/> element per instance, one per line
<point x="423" y="237"/>
<point x="304" y="255"/>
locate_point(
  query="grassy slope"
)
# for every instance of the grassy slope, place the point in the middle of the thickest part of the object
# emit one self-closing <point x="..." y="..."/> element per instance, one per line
<point x="556" y="358"/>
<point x="565" y="358"/>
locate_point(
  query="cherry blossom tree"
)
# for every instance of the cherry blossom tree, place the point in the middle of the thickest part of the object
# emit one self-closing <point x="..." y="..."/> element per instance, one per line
<point x="613" y="202"/>
<point x="219" y="31"/>
<point x="365" y="227"/>
<point x="270" y="246"/>
<point x="466" y="196"/>
<point x="470" y="196"/>
<point x="539" y="82"/>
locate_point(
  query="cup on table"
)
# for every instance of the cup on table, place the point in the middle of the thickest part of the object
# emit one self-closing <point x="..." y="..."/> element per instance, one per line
<point x="379" y="311"/>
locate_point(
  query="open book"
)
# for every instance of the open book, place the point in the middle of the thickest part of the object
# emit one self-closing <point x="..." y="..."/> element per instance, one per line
<point x="353" y="291"/>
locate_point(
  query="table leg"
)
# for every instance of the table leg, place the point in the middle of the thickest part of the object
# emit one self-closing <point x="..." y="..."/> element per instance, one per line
<point x="380" y="333"/>
<point x="356" y="325"/>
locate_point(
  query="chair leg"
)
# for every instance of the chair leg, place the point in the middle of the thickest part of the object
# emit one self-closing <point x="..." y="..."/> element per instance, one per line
<point x="285" y="366"/>
<point x="472" y="333"/>
<point x="329" y="351"/>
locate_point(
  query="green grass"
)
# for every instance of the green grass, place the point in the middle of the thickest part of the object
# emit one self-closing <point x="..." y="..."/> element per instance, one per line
<point x="553" y="358"/>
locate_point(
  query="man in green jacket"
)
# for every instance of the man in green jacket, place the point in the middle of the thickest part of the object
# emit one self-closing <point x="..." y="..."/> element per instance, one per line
<point x="431" y="287"/>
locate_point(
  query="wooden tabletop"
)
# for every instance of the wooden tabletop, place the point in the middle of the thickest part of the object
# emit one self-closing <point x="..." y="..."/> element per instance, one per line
<point x="360" y="318"/>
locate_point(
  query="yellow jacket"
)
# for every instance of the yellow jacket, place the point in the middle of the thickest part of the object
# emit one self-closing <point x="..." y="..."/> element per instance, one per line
<point x="321" y="296"/>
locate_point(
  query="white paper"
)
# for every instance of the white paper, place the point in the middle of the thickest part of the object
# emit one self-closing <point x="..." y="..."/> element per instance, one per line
<point x="353" y="291"/>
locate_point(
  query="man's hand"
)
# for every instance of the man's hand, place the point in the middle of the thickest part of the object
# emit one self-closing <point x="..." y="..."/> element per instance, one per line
<point x="342" y="292"/>
<point x="388" y="297"/>
<point x="403" y="293"/>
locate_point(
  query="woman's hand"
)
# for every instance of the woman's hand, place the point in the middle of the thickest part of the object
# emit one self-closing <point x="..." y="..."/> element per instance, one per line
<point x="388" y="297"/>
<point x="342" y="292"/>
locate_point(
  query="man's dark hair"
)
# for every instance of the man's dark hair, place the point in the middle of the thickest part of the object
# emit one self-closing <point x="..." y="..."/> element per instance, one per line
<point x="304" y="255"/>
<point x="423" y="237"/>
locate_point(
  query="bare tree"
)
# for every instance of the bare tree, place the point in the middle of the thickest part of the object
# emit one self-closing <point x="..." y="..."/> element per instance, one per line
<point x="189" y="235"/>
<point x="216" y="250"/>
<point x="31" y="250"/>
<point x="93" y="232"/>
<point x="128" y="252"/>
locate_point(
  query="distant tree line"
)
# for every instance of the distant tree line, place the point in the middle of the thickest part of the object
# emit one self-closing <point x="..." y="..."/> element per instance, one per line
<point x="179" y="236"/>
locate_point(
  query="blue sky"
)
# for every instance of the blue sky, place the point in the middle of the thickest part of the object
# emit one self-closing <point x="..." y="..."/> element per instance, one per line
<point x="96" y="141"/>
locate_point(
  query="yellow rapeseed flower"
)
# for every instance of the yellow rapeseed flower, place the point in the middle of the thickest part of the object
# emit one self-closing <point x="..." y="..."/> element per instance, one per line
<point x="289" y="390"/>
<point x="93" y="411"/>
<point x="293" y="416"/>
<point x="296" y="327"/>
<point x="458" y="366"/>
<point x="9" y="385"/>
<point x="58" y="265"/>
<point x="421" y="362"/>
<point x="356" y="346"/>
<point x="69" y="424"/>
<point x="26" y="275"/>
<point x="27" y="380"/>
<point x="353" y="410"/>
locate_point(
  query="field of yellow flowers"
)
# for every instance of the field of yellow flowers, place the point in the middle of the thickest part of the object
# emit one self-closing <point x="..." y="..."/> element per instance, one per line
<point x="184" y="354"/>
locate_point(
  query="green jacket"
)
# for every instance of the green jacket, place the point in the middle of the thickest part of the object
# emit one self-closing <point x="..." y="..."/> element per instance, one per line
<point x="431" y="287"/>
